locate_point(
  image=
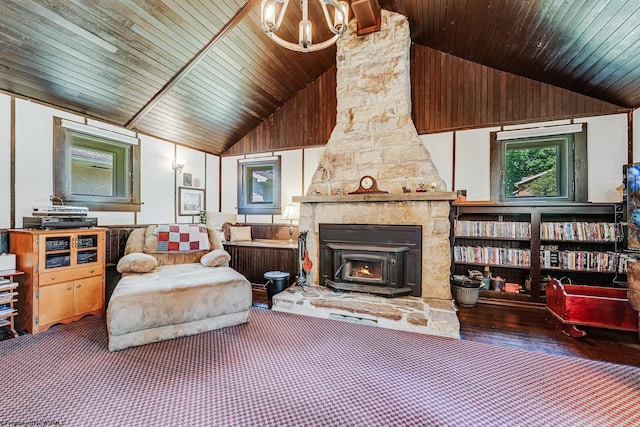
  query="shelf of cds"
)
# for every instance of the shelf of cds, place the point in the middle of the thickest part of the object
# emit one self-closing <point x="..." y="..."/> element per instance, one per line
<point x="493" y="229"/>
<point x="492" y="256"/>
<point x="581" y="231"/>
<point x="524" y="245"/>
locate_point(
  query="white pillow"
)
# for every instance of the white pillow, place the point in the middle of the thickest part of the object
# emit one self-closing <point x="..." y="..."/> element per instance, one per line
<point x="240" y="234"/>
<point x="136" y="263"/>
<point x="215" y="258"/>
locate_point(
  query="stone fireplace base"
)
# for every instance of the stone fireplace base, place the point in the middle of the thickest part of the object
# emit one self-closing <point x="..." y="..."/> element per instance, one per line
<point x="412" y="314"/>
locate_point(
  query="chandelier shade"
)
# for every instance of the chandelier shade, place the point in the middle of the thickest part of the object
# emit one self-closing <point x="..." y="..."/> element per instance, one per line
<point x="272" y="13"/>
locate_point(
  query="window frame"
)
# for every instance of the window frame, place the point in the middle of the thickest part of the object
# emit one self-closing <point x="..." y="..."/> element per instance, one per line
<point x="62" y="146"/>
<point x="576" y="173"/>
<point x="245" y="207"/>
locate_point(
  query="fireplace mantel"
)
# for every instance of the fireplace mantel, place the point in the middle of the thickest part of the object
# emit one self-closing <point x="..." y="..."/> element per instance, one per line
<point x="379" y="197"/>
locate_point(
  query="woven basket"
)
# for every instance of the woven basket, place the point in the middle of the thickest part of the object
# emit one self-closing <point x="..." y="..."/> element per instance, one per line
<point x="466" y="297"/>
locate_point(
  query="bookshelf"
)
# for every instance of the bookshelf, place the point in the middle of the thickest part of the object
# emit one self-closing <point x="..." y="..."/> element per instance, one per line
<point x="8" y="299"/>
<point x="527" y="244"/>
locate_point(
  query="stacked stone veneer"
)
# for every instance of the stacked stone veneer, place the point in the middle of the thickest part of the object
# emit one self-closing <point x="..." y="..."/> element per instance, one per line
<point x="374" y="135"/>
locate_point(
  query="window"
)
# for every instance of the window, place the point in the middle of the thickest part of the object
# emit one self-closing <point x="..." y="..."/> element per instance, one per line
<point x="539" y="164"/>
<point x="96" y="168"/>
<point x="259" y="186"/>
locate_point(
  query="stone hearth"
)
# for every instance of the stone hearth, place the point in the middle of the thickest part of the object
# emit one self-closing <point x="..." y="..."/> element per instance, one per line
<point x="412" y="314"/>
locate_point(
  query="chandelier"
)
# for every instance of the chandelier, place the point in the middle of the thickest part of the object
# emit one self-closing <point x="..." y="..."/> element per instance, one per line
<point x="272" y="12"/>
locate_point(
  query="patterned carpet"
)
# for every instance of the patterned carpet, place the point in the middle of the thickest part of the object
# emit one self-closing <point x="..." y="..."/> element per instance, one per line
<point x="288" y="370"/>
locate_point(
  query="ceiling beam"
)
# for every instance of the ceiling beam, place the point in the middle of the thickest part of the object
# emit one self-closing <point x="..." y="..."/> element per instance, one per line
<point x="192" y="63"/>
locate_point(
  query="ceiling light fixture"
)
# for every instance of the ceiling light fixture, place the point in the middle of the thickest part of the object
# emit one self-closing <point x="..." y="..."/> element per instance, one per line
<point x="272" y="12"/>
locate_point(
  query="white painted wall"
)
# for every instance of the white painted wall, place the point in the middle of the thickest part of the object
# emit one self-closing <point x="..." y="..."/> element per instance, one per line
<point x="607" y="153"/>
<point x="156" y="181"/>
<point x="291" y="162"/>
<point x="311" y="161"/>
<point x="229" y="185"/>
<point x="212" y="183"/>
<point x="440" y="147"/>
<point x="34" y="155"/>
<point x="471" y="169"/>
<point x="5" y="161"/>
<point x="34" y="167"/>
<point x="194" y="164"/>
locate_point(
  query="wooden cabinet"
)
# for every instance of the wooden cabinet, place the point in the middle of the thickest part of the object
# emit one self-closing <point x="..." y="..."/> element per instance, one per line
<point x="64" y="276"/>
<point x="254" y="258"/>
<point x="526" y="244"/>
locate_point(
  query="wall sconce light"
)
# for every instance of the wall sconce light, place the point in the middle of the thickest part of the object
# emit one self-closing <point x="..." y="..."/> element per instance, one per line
<point x="177" y="167"/>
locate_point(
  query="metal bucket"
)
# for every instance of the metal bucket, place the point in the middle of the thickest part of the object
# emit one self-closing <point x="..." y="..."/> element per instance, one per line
<point x="466" y="297"/>
<point x="277" y="281"/>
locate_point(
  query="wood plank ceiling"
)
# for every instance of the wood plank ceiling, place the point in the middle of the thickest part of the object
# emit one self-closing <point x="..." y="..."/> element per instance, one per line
<point x="201" y="72"/>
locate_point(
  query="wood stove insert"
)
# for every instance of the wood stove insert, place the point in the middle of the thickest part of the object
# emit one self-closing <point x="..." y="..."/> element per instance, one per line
<point x="378" y="259"/>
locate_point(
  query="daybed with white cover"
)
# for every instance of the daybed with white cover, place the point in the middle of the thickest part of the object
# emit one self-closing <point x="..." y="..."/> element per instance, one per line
<point x="169" y="292"/>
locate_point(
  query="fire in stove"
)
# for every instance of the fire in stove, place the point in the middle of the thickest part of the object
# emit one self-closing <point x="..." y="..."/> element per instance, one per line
<point x="364" y="269"/>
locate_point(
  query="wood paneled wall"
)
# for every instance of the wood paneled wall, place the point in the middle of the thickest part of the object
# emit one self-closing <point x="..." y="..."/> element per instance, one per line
<point x="451" y="93"/>
<point x="306" y="120"/>
<point x="447" y="93"/>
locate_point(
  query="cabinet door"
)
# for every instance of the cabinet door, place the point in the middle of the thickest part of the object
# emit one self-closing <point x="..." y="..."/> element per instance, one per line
<point x="56" y="303"/>
<point x="55" y="251"/>
<point x="88" y="295"/>
<point x="88" y="248"/>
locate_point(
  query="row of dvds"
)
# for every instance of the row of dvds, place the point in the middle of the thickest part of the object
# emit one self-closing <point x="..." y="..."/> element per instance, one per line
<point x="597" y="231"/>
<point x="576" y="231"/>
<point x="498" y="229"/>
<point x="493" y="256"/>
<point x="579" y="260"/>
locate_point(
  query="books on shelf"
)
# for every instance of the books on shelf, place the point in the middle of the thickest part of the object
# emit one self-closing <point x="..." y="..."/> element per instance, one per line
<point x="6" y="310"/>
<point x="8" y="285"/>
<point x="551" y="257"/>
<point x="581" y="231"/>
<point x="492" y="255"/>
<point x="495" y="229"/>
<point x="7" y="296"/>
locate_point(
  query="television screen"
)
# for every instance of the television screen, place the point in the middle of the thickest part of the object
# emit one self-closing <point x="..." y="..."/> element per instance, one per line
<point x="633" y="206"/>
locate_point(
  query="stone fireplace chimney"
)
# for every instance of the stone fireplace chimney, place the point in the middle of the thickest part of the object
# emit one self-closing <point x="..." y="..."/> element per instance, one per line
<point x="375" y="135"/>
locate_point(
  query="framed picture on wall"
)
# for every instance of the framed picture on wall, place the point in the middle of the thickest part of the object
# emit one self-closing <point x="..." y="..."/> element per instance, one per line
<point x="190" y="201"/>
<point x="186" y="179"/>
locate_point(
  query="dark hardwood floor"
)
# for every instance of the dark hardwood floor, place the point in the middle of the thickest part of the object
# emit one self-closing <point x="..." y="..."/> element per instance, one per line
<point x="533" y="328"/>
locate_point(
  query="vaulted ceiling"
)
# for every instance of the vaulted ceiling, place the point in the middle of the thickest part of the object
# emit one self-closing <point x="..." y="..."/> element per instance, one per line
<point x="201" y="72"/>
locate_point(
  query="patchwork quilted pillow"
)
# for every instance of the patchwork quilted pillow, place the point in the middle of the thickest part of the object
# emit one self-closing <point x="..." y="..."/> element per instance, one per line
<point x="182" y="238"/>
